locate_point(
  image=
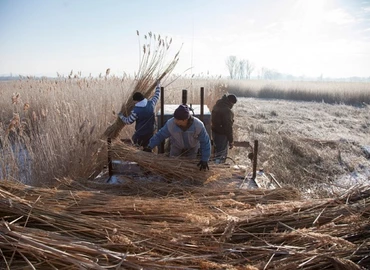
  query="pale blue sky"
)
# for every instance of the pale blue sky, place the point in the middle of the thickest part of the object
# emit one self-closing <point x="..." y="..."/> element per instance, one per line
<point x="299" y="37"/>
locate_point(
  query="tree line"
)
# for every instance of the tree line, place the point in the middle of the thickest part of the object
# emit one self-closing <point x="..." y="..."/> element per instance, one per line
<point x="242" y="69"/>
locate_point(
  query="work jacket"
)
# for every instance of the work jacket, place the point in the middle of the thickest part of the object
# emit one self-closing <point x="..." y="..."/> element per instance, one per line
<point x="196" y="134"/>
<point x="143" y="115"/>
<point x="222" y="118"/>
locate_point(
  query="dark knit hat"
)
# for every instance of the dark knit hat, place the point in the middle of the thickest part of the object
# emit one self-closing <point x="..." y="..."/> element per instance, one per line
<point x="138" y="96"/>
<point x="182" y="112"/>
<point x="232" y="98"/>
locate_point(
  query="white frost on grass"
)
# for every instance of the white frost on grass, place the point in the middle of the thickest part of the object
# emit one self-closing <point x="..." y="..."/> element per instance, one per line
<point x="359" y="177"/>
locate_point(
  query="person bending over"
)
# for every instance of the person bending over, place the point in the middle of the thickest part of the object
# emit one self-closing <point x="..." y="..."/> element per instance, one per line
<point x="187" y="134"/>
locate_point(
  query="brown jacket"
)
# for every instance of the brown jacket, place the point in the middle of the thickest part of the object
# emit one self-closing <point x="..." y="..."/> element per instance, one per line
<point x="223" y="118"/>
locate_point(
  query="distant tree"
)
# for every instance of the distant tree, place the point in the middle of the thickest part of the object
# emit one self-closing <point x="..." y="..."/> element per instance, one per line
<point x="264" y="73"/>
<point x="270" y="74"/>
<point x="249" y="67"/>
<point x="231" y="63"/>
<point x="241" y="69"/>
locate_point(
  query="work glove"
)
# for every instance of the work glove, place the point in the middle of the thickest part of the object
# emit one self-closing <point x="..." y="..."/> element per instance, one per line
<point x="203" y="165"/>
<point x="147" y="149"/>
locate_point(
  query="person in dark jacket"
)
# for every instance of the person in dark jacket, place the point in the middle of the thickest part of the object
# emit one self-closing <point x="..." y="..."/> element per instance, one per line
<point x="187" y="134"/>
<point x="222" y="119"/>
<point x="143" y="115"/>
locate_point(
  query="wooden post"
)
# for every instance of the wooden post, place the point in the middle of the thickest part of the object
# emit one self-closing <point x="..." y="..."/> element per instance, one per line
<point x="161" y="147"/>
<point x="255" y="152"/>
<point x="202" y="104"/>
<point x="184" y="96"/>
<point x="110" y="165"/>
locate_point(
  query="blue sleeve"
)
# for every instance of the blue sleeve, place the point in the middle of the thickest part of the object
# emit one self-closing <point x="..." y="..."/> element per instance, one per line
<point x="205" y="145"/>
<point x="159" y="137"/>
<point x="157" y="93"/>
<point x="129" y="119"/>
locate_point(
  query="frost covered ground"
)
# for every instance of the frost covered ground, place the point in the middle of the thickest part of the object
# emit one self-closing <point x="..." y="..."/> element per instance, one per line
<point x="330" y="142"/>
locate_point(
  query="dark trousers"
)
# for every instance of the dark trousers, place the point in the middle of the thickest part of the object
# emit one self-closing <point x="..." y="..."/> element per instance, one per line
<point x="221" y="146"/>
<point x="142" y="140"/>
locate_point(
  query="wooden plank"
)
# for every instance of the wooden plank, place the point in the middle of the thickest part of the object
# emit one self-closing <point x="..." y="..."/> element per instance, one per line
<point x="276" y="182"/>
<point x="241" y="144"/>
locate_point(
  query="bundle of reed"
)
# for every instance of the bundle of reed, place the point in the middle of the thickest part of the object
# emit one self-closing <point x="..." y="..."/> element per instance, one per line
<point x="321" y="216"/>
<point x="151" y="70"/>
<point x="63" y="229"/>
<point x="174" y="168"/>
<point x="93" y="230"/>
<point x="203" y="193"/>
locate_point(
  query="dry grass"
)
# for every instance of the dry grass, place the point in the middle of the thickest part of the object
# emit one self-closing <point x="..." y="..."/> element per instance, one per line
<point x="65" y="117"/>
<point x="185" y="228"/>
<point x="61" y="121"/>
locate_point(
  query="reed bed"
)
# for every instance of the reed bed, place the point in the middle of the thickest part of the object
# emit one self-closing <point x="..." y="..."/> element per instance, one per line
<point x="350" y="93"/>
<point x="57" y="121"/>
<point x="64" y="228"/>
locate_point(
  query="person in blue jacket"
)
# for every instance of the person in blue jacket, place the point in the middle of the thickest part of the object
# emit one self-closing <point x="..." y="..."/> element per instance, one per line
<point x="144" y="116"/>
<point x="187" y="134"/>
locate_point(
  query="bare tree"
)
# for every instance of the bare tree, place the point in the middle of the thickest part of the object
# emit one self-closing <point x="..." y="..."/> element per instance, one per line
<point x="241" y="69"/>
<point x="249" y="67"/>
<point x="265" y="73"/>
<point x="231" y="63"/>
<point x="270" y="74"/>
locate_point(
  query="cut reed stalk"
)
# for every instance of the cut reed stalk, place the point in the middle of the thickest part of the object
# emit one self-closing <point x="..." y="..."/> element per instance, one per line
<point x="151" y="70"/>
<point x="66" y="229"/>
<point x="176" y="168"/>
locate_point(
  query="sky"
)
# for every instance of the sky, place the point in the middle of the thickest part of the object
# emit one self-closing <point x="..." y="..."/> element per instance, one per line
<point x="329" y="38"/>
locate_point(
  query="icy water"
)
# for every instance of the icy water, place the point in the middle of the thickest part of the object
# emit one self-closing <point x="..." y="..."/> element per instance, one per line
<point x="16" y="164"/>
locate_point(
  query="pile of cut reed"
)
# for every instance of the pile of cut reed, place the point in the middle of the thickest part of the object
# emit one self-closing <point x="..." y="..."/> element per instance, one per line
<point x="67" y="229"/>
<point x="151" y="70"/>
<point x="174" y="168"/>
<point x="222" y="194"/>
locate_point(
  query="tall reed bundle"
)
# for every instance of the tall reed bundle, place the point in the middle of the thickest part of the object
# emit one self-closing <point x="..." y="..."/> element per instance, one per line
<point x="65" y="229"/>
<point x="169" y="168"/>
<point x="151" y="70"/>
